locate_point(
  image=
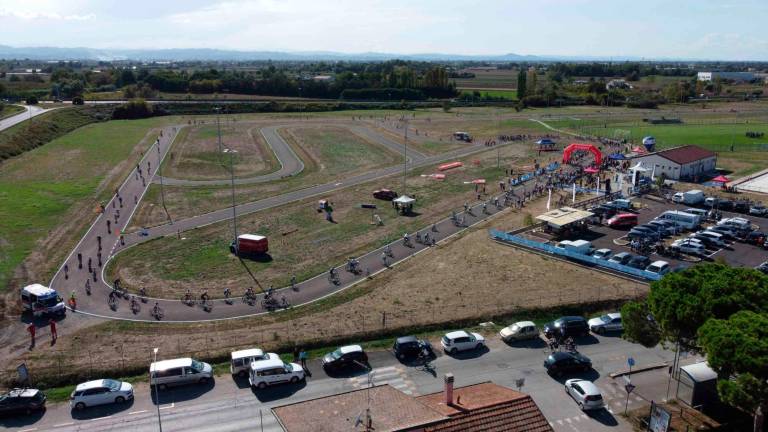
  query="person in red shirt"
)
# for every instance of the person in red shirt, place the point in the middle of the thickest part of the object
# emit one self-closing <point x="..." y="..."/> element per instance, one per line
<point x="31" y="330"/>
<point x="54" y="336"/>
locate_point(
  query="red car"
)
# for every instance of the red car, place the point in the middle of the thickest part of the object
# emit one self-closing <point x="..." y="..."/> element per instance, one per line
<point x="623" y="220"/>
<point x="384" y="194"/>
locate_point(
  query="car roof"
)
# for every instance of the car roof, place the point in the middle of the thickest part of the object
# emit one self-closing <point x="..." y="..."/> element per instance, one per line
<point x="659" y="263"/>
<point x="525" y="324"/>
<point x="351" y="348"/>
<point x="407" y="339"/>
<point x="457" y="334"/>
<point x="170" y="364"/>
<point x="90" y="384"/>
<point x="603" y="250"/>
<point x="252" y="352"/>
<point x="38" y="290"/>
<point x="267" y="364"/>
<point x="26" y="392"/>
<point x="622" y="254"/>
<point x="588" y="386"/>
<point x="570" y="318"/>
<point x="614" y="315"/>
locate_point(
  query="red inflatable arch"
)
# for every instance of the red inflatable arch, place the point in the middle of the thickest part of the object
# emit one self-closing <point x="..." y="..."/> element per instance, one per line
<point x="588" y="147"/>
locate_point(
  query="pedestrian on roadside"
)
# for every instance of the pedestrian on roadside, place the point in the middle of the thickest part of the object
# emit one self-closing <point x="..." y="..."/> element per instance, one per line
<point x="31" y="330"/>
<point x="90" y="265"/>
<point x="54" y="336"/>
<point x="303" y="360"/>
<point x="79" y="260"/>
<point x="295" y="354"/>
<point x="66" y="271"/>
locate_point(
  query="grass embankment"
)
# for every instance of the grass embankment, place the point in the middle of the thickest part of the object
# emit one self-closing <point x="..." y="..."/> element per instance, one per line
<point x="50" y="193"/>
<point x="492" y="93"/>
<point x="9" y="110"/>
<point x="44" y="128"/>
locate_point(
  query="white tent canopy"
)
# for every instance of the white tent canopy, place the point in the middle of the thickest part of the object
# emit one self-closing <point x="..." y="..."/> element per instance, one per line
<point x="404" y="200"/>
<point x="639" y="168"/>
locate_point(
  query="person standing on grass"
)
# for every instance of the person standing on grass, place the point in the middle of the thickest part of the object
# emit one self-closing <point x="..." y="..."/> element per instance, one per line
<point x="31" y="330"/>
<point x="54" y="336"/>
<point x="303" y="360"/>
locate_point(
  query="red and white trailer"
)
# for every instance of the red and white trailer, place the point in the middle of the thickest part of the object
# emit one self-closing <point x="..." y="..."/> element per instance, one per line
<point x="250" y="244"/>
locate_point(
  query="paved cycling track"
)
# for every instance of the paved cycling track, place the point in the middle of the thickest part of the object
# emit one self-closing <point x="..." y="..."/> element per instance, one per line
<point x="174" y="310"/>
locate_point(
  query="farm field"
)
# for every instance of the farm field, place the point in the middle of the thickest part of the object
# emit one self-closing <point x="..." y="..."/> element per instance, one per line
<point x="49" y="195"/>
<point x="302" y="242"/>
<point x="489" y="78"/>
<point x="196" y="155"/>
<point x="506" y="94"/>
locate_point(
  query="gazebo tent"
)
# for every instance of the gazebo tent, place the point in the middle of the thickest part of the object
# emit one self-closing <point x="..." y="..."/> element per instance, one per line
<point x="721" y="179"/>
<point x="404" y="203"/>
<point x="617" y="156"/>
<point x="639" y="168"/>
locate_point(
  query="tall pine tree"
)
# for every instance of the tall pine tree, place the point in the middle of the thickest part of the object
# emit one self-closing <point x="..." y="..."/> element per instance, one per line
<point x="521" y="78"/>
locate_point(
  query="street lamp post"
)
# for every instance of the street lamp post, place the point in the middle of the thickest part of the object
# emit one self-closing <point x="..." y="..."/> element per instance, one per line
<point x="234" y="212"/>
<point x="157" y="396"/>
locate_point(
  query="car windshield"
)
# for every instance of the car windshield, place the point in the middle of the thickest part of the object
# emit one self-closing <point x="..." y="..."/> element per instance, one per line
<point x="196" y="365"/>
<point x="48" y="301"/>
<point x="605" y="318"/>
<point x="288" y="367"/>
<point x="336" y="354"/>
<point x="112" y="384"/>
<point x="515" y="328"/>
<point x="559" y="323"/>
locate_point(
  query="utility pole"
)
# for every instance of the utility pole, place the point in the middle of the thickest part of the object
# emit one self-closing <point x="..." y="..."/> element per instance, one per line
<point x="160" y="174"/>
<point x="234" y="212"/>
<point x="218" y="126"/>
<point x="405" y="154"/>
<point x="157" y="396"/>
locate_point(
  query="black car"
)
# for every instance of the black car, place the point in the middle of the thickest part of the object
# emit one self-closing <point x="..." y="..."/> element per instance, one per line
<point x="755" y="238"/>
<point x="345" y="357"/>
<point x="22" y="401"/>
<point x="603" y="210"/>
<point x="566" y="326"/>
<point x="561" y="362"/>
<point x="726" y="205"/>
<point x="639" y="262"/>
<point x="642" y="234"/>
<point x="763" y="267"/>
<point x="741" y="206"/>
<point x="411" y="347"/>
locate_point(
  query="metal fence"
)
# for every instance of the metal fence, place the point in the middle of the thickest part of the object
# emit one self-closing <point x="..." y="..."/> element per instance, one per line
<point x="588" y="259"/>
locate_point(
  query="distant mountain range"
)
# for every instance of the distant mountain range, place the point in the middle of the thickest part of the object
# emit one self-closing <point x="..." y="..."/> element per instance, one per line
<point x="205" y="54"/>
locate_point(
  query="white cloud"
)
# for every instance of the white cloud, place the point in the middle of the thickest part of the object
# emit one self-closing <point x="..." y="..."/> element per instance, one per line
<point x="26" y="15"/>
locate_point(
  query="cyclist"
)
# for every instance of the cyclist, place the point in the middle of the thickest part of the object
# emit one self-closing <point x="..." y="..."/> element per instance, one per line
<point x="204" y="296"/>
<point x="270" y="291"/>
<point x="73" y="300"/>
<point x="406" y="239"/>
<point x="227" y="293"/>
<point x="249" y="292"/>
<point x="157" y="311"/>
<point x="332" y="272"/>
<point x="143" y="292"/>
<point x="293" y="281"/>
<point x="88" y="285"/>
<point x="188" y="295"/>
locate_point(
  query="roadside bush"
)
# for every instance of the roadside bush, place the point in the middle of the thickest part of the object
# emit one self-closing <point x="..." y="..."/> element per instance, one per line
<point x="383" y="94"/>
<point x="77" y="100"/>
<point x="31" y="100"/>
<point x="134" y="109"/>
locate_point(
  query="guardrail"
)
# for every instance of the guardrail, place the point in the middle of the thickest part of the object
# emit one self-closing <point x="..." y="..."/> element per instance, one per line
<point x="544" y="247"/>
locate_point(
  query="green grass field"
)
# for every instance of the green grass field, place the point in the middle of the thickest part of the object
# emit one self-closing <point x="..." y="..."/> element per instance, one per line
<point x="716" y="137"/>
<point x="506" y="94"/>
<point x="9" y="110"/>
<point x="39" y="189"/>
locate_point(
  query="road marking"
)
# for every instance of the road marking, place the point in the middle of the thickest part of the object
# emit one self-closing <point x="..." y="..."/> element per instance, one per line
<point x="337" y="184"/>
<point x="137" y="412"/>
<point x="100" y="418"/>
<point x="568" y="420"/>
<point x="173" y="404"/>
<point x="28" y="430"/>
<point x="64" y="424"/>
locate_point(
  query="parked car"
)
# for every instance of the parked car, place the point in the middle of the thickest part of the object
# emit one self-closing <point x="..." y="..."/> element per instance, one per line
<point x="642" y="233"/>
<point x="566" y="326"/>
<point x="667" y="227"/>
<point x="519" y="331"/>
<point x="22" y="401"/>
<point x="606" y="323"/>
<point x="659" y="267"/>
<point x="410" y="347"/>
<point x="763" y="267"/>
<point x="273" y="371"/>
<point x="622" y="220"/>
<point x="741" y="207"/>
<point x="725" y="205"/>
<point x="621" y="258"/>
<point x="585" y="393"/>
<point x="655" y="228"/>
<point x="639" y="262"/>
<point x="345" y="357"/>
<point x="384" y="194"/>
<point x="755" y="238"/>
<point x="240" y="362"/>
<point x="758" y="210"/>
<point x="562" y="362"/>
<point x="606" y="211"/>
<point x="181" y="371"/>
<point x="690" y="247"/>
<point x="603" y="254"/>
<point x="709" y="238"/>
<point x="725" y="231"/>
<point x="100" y="392"/>
<point x="461" y="340"/>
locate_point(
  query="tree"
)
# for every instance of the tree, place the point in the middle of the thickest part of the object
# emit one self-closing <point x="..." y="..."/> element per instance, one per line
<point x="738" y="348"/>
<point x="521" y="85"/>
<point x="531" y="78"/>
<point x="31" y="100"/>
<point x="638" y="325"/>
<point x="78" y="100"/>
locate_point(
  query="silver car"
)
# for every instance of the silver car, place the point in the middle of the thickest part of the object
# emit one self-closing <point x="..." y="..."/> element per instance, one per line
<point x="606" y="323"/>
<point x="585" y="393"/>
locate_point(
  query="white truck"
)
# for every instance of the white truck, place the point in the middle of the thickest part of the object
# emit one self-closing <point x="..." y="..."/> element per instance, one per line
<point x="579" y="246"/>
<point x="691" y="197"/>
<point x="41" y="300"/>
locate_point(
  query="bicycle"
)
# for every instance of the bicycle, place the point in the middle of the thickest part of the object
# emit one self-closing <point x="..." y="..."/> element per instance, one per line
<point x="249" y="298"/>
<point x="157" y="312"/>
<point x="206" y="305"/>
<point x="143" y="295"/>
<point x="333" y="278"/>
<point x="135" y="305"/>
<point x="112" y="302"/>
<point x="187" y="299"/>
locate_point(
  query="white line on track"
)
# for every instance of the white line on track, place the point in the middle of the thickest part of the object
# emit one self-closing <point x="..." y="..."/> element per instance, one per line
<point x="100" y="418"/>
<point x="173" y="404"/>
<point x="28" y="430"/>
<point x="64" y="424"/>
<point x="137" y="412"/>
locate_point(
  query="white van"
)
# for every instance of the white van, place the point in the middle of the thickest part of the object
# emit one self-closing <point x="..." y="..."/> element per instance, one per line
<point x="241" y="360"/>
<point x="578" y="246"/>
<point x="682" y="219"/>
<point x="41" y="300"/>
<point x="273" y="371"/>
<point x="699" y="212"/>
<point x="180" y="371"/>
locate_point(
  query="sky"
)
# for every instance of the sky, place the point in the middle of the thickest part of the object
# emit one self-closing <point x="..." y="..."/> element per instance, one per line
<point x="702" y="29"/>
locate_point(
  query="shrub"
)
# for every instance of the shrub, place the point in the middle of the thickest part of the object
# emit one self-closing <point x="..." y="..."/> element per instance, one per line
<point x="77" y="100"/>
<point x="31" y="100"/>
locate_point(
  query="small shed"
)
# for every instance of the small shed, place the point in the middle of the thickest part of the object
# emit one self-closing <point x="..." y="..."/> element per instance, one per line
<point x="564" y="217"/>
<point x="698" y="386"/>
<point x="404" y="204"/>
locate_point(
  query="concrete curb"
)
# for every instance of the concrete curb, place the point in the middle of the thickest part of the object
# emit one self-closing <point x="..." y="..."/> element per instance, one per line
<point x="639" y="369"/>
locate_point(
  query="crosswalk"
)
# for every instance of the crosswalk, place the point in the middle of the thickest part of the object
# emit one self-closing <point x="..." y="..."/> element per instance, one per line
<point x="395" y="376"/>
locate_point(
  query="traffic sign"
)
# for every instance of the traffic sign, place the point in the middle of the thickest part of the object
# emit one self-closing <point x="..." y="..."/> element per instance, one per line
<point x="630" y="361"/>
<point x="629" y="388"/>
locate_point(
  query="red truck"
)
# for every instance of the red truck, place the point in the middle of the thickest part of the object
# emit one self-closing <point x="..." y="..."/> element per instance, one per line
<point x="250" y="244"/>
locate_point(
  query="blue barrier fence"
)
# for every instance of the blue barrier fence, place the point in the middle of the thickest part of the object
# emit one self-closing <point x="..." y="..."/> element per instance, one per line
<point x="544" y="247"/>
<point x="541" y="171"/>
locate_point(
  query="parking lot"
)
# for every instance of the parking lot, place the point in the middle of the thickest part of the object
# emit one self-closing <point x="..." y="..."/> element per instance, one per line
<point x="735" y="253"/>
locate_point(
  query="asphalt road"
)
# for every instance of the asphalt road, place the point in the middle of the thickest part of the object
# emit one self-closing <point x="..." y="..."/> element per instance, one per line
<point x="230" y="405"/>
<point x="108" y="228"/>
<point x="20" y="117"/>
